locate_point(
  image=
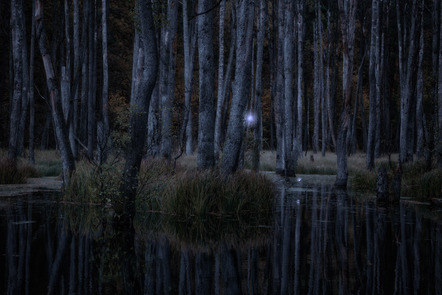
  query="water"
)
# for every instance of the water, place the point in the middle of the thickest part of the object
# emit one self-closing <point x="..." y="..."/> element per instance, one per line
<point x="316" y="242"/>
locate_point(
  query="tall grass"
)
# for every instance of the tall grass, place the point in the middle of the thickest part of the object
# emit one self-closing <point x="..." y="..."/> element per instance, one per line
<point x="242" y="195"/>
<point x="15" y="172"/>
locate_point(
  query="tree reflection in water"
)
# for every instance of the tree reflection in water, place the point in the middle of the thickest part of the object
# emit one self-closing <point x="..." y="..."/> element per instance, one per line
<point x="317" y="241"/>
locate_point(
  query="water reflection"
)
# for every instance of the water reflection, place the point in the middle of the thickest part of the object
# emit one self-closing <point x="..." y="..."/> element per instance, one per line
<point x="317" y="241"/>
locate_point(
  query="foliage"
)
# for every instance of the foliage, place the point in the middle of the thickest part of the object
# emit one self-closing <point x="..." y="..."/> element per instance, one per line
<point x="94" y="183"/>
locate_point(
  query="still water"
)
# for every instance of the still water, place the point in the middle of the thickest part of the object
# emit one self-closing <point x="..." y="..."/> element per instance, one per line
<point x="316" y="241"/>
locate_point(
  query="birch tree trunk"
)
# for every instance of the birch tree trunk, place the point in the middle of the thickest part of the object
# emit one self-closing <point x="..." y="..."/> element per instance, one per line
<point x="241" y="87"/>
<point x="347" y="11"/>
<point x="67" y="157"/>
<point x="206" y="113"/>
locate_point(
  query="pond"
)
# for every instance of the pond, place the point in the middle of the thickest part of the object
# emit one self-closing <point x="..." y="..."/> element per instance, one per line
<point x="316" y="241"/>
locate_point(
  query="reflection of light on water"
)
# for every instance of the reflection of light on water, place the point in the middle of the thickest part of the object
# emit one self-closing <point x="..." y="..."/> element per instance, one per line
<point x="298" y="179"/>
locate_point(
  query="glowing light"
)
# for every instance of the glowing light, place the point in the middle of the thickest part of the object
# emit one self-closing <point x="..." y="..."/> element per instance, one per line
<point x="250" y="118"/>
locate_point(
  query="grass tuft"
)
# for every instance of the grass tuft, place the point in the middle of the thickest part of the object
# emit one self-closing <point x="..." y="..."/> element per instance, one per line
<point x="10" y="173"/>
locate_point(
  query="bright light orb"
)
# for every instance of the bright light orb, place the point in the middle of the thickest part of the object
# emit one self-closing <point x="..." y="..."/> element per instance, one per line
<point x="250" y="118"/>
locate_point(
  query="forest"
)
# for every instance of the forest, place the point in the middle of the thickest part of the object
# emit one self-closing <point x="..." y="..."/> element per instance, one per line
<point x="158" y="78"/>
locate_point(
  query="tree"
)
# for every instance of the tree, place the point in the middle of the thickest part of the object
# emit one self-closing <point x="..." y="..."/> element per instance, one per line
<point x="189" y="40"/>
<point x="68" y="163"/>
<point x="167" y="76"/>
<point x="144" y="81"/>
<point x="347" y="11"/>
<point x="105" y="90"/>
<point x="206" y="112"/>
<point x="241" y="87"/>
<point x="260" y="39"/>
<point x="374" y="74"/>
<point x="17" y="52"/>
<point x="408" y="42"/>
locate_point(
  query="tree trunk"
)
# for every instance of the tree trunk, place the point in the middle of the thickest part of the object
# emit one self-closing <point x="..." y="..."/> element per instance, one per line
<point x="420" y="117"/>
<point x="257" y="144"/>
<point x="26" y="90"/>
<point x="206" y="113"/>
<point x="105" y="89"/>
<point x="439" y="82"/>
<point x="279" y="97"/>
<point x="407" y="67"/>
<point x="154" y="128"/>
<point x="67" y="157"/>
<point x="84" y="72"/>
<point x="76" y="72"/>
<point x="241" y="87"/>
<point x="92" y="93"/>
<point x="145" y="77"/>
<point x="167" y="82"/>
<point x="17" y="56"/>
<point x="297" y="140"/>
<point x="220" y="94"/>
<point x="374" y="84"/>
<point x="290" y="138"/>
<point x="347" y="11"/>
<point x="31" y="91"/>
<point x="189" y="38"/>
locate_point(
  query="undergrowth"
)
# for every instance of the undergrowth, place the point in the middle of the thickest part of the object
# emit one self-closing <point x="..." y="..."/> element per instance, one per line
<point x="15" y="172"/>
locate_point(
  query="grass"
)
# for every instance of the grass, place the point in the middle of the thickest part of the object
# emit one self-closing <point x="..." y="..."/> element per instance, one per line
<point x="15" y="172"/>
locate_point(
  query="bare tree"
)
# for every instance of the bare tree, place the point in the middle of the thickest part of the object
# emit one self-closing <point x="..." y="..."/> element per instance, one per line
<point x="241" y="87"/>
<point x="257" y="145"/>
<point x="220" y="94"/>
<point x="206" y="112"/>
<point x="290" y="139"/>
<point x="374" y="74"/>
<point x="17" y="57"/>
<point x="167" y="76"/>
<point x="144" y="80"/>
<point x="189" y="40"/>
<point x="408" y="42"/>
<point x="67" y="157"/>
<point x="439" y="87"/>
<point x="347" y="11"/>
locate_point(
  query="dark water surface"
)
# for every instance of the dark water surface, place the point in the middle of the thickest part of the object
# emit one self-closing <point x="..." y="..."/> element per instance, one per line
<point x="317" y="242"/>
